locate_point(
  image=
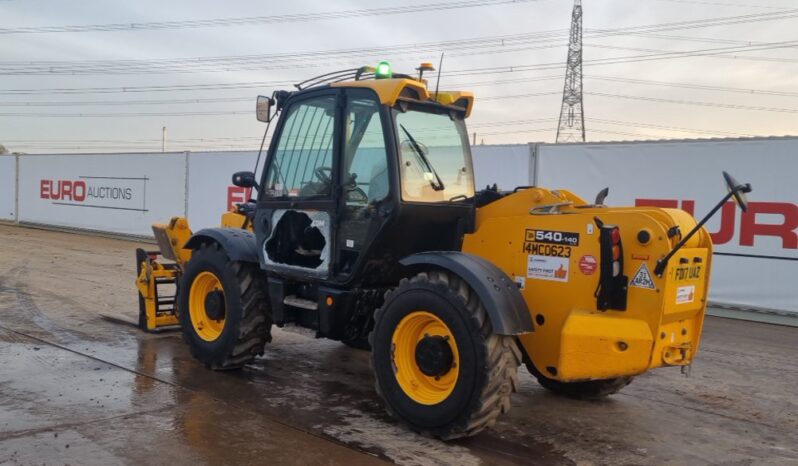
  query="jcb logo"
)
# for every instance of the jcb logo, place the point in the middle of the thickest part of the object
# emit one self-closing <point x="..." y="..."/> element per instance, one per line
<point x="750" y="227"/>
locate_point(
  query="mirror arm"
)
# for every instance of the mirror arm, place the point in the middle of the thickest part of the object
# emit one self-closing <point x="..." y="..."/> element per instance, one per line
<point x="662" y="263"/>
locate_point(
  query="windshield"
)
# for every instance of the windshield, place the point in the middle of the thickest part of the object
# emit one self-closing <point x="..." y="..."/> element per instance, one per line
<point x="434" y="156"/>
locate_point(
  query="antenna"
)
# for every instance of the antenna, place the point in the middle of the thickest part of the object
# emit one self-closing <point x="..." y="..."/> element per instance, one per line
<point x="438" y="81"/>
<point x="572" y="114"/>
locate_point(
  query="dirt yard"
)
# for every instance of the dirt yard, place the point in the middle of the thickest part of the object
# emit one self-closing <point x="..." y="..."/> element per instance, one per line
<point x="79" y="388"/>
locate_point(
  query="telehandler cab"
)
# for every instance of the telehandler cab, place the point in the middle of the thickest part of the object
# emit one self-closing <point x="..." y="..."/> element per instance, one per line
<point x="367" y="229"/>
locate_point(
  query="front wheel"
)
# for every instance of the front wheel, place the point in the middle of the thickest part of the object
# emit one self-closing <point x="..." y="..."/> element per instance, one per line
<point x="439" y="366"/>
<point x="223" y="310"/>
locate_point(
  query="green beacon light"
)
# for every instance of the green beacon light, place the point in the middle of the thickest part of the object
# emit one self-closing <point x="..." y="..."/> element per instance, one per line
<point x="383" y="70"/>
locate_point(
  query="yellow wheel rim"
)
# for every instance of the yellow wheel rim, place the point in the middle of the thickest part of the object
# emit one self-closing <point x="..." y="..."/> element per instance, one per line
<point x="419" y="386"/>
<point x="208" y="329"/>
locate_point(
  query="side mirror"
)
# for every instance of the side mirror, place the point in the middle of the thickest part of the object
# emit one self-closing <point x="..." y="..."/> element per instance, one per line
<point x="244" y="179"/>
<point x="263" y="108"/>
<point x="739" y="191"/>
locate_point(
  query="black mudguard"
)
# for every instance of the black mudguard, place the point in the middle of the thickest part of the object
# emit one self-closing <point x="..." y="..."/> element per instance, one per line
<point x="500" y="295"/>
<point x="240" y="245"/>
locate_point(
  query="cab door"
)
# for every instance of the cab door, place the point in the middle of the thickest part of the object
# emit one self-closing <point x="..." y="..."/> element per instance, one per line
<point x="365" y="179"/>
<point x="296" y="205"/>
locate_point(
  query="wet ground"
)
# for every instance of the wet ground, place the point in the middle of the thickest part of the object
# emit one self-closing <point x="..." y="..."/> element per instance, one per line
<point x="78" y="388"/>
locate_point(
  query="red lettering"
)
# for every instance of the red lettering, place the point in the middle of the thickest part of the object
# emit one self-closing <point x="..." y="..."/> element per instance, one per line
<point x="56" y="193"/>
<point x="45" y="186"/>
<point x="689" y="207"/>
<point x="749" y="227"/>
<point x="79" y="190"/>
<point x="66" y="190"/>
<point x="726" y="231"/>
<point x="786" y="230"/>
<point x="237" y="195"/>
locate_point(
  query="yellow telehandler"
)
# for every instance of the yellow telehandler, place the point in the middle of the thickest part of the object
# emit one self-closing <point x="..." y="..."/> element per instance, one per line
<point x="368" y="229"/>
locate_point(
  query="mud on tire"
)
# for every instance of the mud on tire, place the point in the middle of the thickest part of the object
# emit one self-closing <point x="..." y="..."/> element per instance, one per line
<point x="488" y="362"/>
<point x="248" y="322"/>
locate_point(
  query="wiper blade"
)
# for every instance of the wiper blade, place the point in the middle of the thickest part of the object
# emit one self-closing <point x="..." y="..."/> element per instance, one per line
<point x="417" y="149"/>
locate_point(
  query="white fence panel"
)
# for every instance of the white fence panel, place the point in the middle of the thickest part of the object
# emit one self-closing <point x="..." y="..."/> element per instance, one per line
<point x="756" y="253"/>
<point x="8" y="187"/>
<point x="116" y="193"/>
<point x="508" y="166"/>
<point x="210" y="190"/>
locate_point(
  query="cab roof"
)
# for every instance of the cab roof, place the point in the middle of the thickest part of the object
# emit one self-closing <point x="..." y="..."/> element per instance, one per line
<point x="393" y="88"/>
<point x="390" y="90"/>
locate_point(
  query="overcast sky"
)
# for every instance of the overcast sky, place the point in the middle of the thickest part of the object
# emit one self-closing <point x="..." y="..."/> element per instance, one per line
<point x="759" y="64"/>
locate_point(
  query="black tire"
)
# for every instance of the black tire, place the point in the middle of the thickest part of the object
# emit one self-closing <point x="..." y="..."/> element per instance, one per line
<point x="488" y="363"/>
<point x="587" y="390"/>
<point x="248" y="322"/>
<point x="359" y="343"/>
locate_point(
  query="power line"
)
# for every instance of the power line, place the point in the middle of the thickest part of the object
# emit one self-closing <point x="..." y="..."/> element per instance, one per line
<point x="624" y="59"/>
<point x="489" y="98"/>
<point x="666" y="127"/>
<point x="744" y="48"/>
<point x="270" y="84"/>
<point x="203" y="63"/>
<point x="252" y="20"/>
<point x="124" y="115"/>
<point x="703" y="87"/>
<point x="740" y="5"/>
<point x="697" y="103"/>
<point x="126" y="102"/>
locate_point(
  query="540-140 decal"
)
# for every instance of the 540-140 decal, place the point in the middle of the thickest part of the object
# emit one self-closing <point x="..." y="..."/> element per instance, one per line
<point x="550" y="243"/>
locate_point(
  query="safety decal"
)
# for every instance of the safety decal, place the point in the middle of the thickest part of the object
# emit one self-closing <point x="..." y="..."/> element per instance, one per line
<point x="547" y="268"/>
<point x="642" y="278"/>
<point x="685" y="294"/>
<point x="588" y="264"/>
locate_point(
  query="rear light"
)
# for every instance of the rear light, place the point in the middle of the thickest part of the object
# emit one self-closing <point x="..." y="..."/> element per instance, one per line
<point x="611" y="291"/>
<point x="615" y="235"/>
<point x="615" y="240"/>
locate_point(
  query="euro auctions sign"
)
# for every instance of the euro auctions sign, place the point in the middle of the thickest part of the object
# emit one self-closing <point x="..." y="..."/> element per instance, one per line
<point x="118" y="193"/>
<point x="97" y="192"/>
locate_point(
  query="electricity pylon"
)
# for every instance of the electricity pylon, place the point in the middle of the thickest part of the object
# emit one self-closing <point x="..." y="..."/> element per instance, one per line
<point x="572" y="112"/>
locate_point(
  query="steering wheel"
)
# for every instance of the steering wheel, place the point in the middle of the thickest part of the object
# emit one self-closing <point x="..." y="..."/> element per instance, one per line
<point x="360" y="196"/>
<point x="324" y="174"/>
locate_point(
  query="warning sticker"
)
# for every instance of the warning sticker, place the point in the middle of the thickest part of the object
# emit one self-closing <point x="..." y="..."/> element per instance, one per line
<point x="588" y="264"/>
<point x="685" y="294"/>
<point x="642" y="278"/>
<point x="547" y="268"/>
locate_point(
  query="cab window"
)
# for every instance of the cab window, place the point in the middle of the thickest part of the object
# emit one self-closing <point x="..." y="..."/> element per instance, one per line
<point x="434" y="155"/>
<point x="365" y="158"/>
<point x="302" y="162"/>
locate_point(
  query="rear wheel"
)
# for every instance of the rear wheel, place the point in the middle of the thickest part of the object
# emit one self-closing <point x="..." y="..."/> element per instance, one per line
<point x="587" y="390"/>
<point x="222" y="309"/>
<point x="358" y="343"/>
<point x="438" y="365"/>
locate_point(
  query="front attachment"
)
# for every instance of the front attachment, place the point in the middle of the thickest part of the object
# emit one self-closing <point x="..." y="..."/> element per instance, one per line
<point x="157" y="284"/>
